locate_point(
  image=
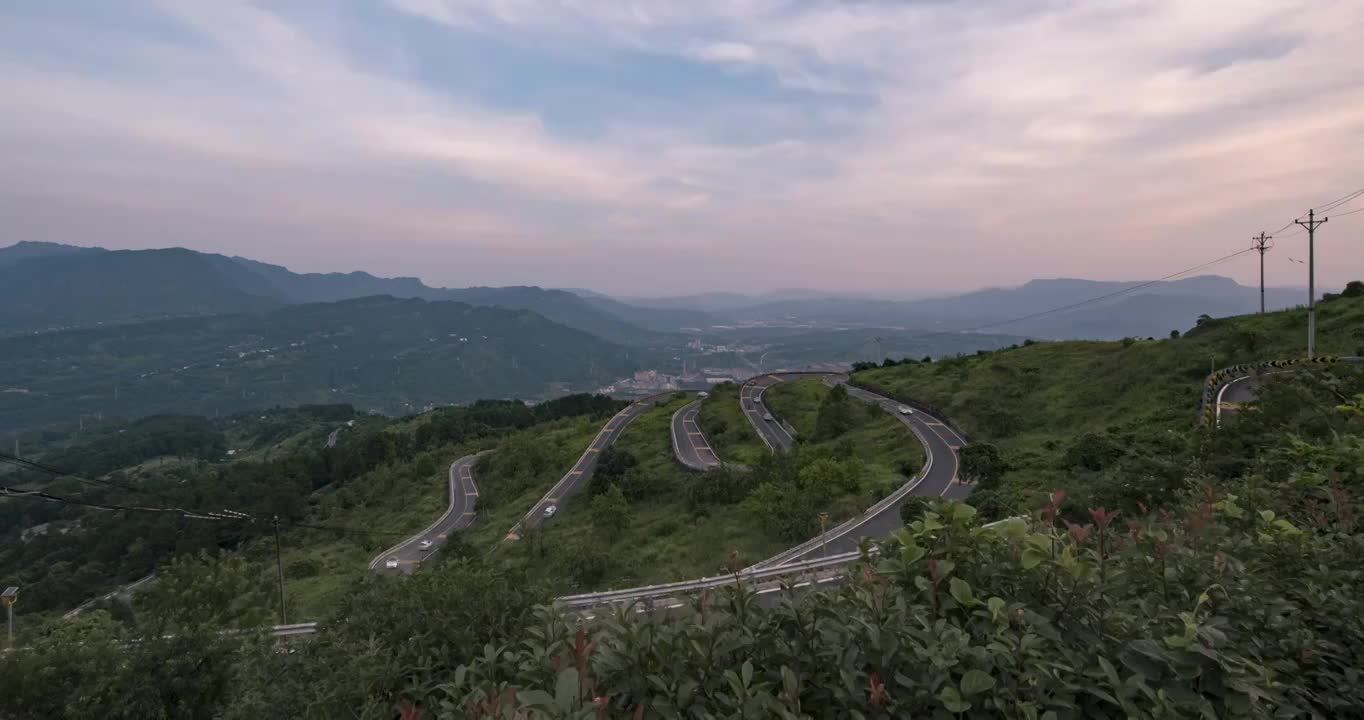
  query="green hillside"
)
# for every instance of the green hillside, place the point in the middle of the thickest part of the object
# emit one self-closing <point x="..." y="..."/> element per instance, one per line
<point x="1238" y="595"/>
<point x="379" y="353"/>
<point x="827" y="420"/>
<point x="1107" y="421"/>
<point x="644" y="519"/>
<point x="726" y="429"/>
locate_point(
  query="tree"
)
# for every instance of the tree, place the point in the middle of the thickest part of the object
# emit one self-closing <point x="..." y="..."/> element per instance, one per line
<point x="1174" y="334"/>
<point x="1092" y="451"/>
<point x="825" y="478"/>
<point x="982" y="463"/>
<point x="835" y="415"/>
<point x="611" y="512"/>
<point x="914" y="507"/>
<point x="214" y="591"/>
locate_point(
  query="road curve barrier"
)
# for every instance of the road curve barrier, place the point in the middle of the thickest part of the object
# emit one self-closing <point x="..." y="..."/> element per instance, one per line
<point x="1218" y="379"/>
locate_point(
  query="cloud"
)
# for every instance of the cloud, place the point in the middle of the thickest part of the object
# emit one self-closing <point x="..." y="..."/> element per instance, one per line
<point x="726" y="52"/>
<point x="867" y="144"/>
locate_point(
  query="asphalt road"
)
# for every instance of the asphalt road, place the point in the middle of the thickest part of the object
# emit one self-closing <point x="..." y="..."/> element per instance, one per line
<point x="689" y="443"/>
<point x="1233" y="394"/>
<point x="460" y="515"/>
<point x="940" y="480"/>
<point x="581" y="471"/>
<point x="774" y="435"/>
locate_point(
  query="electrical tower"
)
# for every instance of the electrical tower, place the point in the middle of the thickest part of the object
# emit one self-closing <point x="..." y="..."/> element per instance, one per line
<point x="1262" y="244"/>
<point x="1311" y="225"/>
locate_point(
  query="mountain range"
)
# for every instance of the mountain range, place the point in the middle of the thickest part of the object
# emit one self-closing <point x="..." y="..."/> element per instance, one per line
<point x="377" y="353"/>
<point x="49" y="286"/>
<point x="1062" y="308"/>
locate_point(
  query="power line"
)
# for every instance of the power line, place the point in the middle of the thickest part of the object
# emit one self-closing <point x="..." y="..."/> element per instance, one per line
<point x="1341" y="201"/>
<point x="1325" y="207"/>
<point x="31" y="465"/>
<point x="6" y="491"/>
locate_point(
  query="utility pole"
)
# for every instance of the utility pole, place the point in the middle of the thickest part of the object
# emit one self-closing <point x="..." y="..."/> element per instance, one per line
<point x="1311" y="225"/>
<point x="1262" y="244"/>
<point x="279" y="566"/>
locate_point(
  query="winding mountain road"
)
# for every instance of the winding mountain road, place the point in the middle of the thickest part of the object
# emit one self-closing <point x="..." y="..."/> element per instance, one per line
<point x="581" y="471"/>
<point x="937" y="478"/>
<point x="775" y="435"/>
<point x="689" y="443"/>
<point x="459" y="515"/>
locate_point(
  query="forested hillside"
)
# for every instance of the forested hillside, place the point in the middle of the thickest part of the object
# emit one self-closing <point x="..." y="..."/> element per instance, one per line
<point x="1109" y="422"/>
<point x="64" y="553"/>
<point x="379" y="353"/>
<point x="1235" y="594"/>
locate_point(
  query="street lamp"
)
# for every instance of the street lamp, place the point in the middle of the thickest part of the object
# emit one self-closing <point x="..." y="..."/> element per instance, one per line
<point x="8" y="597"/>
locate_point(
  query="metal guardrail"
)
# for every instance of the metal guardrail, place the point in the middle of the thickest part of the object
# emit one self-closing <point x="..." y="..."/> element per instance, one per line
<point x="777" y="565"/>
<point x="307" y="628"/>
<point x="750" y="575"/>
<point x="677" y="451"/>
<point x="587" y="600"/>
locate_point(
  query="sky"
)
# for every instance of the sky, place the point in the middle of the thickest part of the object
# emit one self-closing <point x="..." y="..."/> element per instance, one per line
<point x="661" y="147"/>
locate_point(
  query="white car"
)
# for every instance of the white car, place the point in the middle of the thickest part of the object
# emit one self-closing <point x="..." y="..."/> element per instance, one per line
<point x="391" y="563"/>
<point x="549" y="511"/>
<point x="906" y="410"/>
<point x="703" y="395"/>
<point x="767" y="417"/>
<point x="425" y="544"/>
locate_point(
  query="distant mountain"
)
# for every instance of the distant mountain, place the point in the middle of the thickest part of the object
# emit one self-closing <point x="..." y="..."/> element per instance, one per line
<point x="27" y="250"/>
<point x="47" y="286"/>
<point x="84" y="288"/>
<point x="719" y="301"/>
<point x="377" y="353"/>
<point x="1151" y="310"/>
<point x="652" y="318"/>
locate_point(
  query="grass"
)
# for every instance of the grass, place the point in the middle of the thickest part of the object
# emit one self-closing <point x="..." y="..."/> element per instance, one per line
<point x="889" y="451"/>
<point x="727" y="430"/>
<point x="375" y="512"/>
<point x="522" y="469"/>
<point x="663" y="540"/>
<point x="1035" y="400"/>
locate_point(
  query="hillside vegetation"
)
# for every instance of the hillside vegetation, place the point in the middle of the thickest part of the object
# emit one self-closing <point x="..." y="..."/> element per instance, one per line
<point x="642" y="519"/>
<point x="379" y="353"/>
<point x="1109" y="422"/>
<point x="339" y="506"/>
<point x="1238" y="595"/>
